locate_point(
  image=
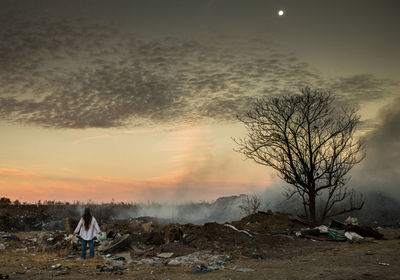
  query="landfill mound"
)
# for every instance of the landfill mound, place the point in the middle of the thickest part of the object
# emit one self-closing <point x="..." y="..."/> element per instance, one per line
<point x="145" y="241"/>
<point x="259" y="232"/>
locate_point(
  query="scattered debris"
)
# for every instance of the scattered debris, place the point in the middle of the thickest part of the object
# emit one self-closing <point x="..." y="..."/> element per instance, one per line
<point x="22" y="250"/>
<point x="364" y="231"/>
<point x="322" y="229"/>
<point x="165" y="255"/>
<point x="11" y="237"/>
<point x="56" y="266"/>
<point x="257" y="257"/>
<point x="234" y="228"/>
<point x="103" y="268"/>
<point x="352" y="236"/>
<point x="201" y="269"/>
<point x="117" y="244"/>
<point x="351" y="221"/>
<point x="337" y="235"/>
<point x="384" y="264"/>
<point x="203" y="248"/>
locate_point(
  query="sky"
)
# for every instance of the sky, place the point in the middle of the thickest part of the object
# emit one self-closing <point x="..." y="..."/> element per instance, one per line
<point x="138" y="100"/>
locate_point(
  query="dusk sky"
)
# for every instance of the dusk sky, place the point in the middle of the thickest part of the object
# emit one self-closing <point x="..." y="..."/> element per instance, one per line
<point x="137" y="100"/>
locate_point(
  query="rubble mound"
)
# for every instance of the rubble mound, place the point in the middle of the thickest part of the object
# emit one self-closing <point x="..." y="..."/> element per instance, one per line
<point x="269" y="222"/>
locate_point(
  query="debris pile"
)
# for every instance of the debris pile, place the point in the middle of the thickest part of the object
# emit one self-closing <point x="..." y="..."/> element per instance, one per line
<point x="338" y="231"/>
<point x="138" y="242"/>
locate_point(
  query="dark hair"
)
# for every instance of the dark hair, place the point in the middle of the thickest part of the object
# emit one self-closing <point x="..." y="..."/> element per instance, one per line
<point x="87" y="218"/>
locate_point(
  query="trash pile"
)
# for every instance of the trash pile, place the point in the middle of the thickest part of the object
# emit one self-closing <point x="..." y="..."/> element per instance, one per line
<point x="338" y="231"/>
<point x="204" y="248"/>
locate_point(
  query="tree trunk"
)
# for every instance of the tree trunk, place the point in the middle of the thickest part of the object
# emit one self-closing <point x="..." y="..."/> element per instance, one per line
<point x="311" y="207"/>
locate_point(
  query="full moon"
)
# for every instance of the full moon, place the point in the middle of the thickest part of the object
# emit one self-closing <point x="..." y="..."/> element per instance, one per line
<point x="281" y="12"/>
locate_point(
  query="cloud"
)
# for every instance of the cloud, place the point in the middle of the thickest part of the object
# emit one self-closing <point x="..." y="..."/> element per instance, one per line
<point x="76" y="74"/>
<point x="6" y="172"/>
<point x="363" y="87"/>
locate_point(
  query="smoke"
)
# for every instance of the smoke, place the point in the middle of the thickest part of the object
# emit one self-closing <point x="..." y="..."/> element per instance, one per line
<point x="380" y="170"/>
<point x="221" y="210"/>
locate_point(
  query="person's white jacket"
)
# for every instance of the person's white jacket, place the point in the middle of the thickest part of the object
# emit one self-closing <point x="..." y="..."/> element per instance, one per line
<point x="89" y="234"/>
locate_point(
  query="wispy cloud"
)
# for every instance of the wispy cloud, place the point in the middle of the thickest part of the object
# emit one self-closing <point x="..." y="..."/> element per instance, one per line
<point x="5" y="172"/>
<point x="112" y="135"/>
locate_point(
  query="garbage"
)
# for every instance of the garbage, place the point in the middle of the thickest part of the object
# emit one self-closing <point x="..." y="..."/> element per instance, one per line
<point x="256" y="257"/>
<point x="384" y="264"/>
<point x="2" y="246"/>
<point x="189" y="240"/>
<point x="119" y="259"/>
<point x="56" y="266"/>
<point x="335" y="235"/>
<point x="234" y="228"/>
<point x="137" y="251"/>
<point x="116" y="244"/>
<point x="165" y="255"/>
<point x="103" y="268"/>
<point x="364" y="231"/>
<point x="351" y="221"/>
<point x="322" y="228"/>
<point x="103" y="236"/>
<point x="228" y="258"/>
<point x="352" y="236"/>
<point x="22" y="250"/>
<point x="174" y="262"/>
<point x="11" y="237"/>
<point x="201" y="269"/>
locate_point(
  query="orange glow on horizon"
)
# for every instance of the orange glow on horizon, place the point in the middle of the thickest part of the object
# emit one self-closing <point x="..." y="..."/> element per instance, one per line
<point x="31" y="187"/>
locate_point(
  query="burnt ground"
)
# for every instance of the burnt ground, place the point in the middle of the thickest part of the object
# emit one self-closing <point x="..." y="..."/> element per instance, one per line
<point x="271" y="238"/>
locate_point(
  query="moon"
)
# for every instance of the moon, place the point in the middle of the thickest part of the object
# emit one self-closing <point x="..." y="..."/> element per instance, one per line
<point x="281" y="12"/>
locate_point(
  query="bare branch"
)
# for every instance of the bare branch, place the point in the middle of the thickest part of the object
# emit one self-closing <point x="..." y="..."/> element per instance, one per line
<point x="309" y="141"/>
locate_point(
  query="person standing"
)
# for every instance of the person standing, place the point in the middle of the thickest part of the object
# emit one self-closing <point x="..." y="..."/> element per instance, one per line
<point x="88" y="229"/>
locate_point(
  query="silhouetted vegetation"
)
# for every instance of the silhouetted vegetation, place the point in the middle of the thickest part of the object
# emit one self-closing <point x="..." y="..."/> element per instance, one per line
<point x="310" y="141"/>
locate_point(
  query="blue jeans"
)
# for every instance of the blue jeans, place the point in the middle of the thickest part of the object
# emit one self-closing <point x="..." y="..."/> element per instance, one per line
<point x="84" y="247"/>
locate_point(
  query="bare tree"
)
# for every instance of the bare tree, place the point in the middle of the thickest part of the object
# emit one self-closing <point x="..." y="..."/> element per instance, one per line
<point x="250" y="204"/>
<point x="310" y="141"/>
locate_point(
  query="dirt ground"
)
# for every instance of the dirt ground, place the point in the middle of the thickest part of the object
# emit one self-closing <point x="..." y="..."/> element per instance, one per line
<point x="297" y="258"/>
